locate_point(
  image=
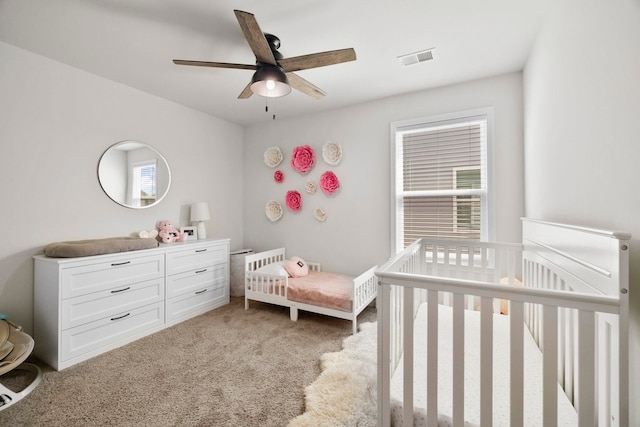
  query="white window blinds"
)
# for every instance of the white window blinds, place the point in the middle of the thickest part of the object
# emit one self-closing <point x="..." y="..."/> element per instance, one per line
<point x="144" y="183"/>
<point x="441" y="180"/>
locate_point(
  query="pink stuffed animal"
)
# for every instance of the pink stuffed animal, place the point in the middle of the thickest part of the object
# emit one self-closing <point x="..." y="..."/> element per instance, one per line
<point x="167" y="233"/>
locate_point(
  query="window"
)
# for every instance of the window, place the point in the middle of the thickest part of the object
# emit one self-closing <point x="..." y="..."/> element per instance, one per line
<point x="144" y="183"/>
<point x="441" y="178"/>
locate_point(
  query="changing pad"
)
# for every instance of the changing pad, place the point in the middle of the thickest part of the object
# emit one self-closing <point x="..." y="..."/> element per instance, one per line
<point x="80" y="248"/>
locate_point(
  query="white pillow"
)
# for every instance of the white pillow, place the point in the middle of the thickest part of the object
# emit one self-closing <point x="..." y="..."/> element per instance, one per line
<point x="276" y="268"/>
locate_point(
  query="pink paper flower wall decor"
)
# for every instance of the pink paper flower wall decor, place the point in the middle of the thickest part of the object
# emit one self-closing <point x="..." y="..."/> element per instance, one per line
<point x="278" y="176"/>
<point x="329" y="182"/>
<point x="303" y="159"/>
<point x="294" y="200"/>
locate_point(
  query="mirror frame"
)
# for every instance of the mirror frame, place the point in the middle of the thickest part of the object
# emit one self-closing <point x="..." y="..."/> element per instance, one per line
<point x="126" y="146"/>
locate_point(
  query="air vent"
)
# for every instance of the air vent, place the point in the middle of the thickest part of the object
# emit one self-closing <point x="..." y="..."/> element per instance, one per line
<point x="416" y="57"/>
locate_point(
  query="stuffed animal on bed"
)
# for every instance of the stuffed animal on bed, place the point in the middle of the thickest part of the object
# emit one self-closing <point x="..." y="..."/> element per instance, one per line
<point x="167" y="233"/>
<point x="296" y="267"/>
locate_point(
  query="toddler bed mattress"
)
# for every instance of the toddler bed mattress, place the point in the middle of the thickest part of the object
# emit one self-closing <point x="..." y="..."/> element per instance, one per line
<point x="567" y="415"/>
<point x="325" y="289"/>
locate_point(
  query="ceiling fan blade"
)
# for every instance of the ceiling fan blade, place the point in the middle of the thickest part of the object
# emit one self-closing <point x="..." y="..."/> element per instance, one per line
<point x="246" y="92"/>
<point x="214" y="64"/>
<point x="304" y="86"/>
<point x="255" y="37"/>
<point x="314" y="60"/>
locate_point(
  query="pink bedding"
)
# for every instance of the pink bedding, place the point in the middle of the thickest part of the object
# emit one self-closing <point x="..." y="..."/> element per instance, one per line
<point x="331" y="290"/>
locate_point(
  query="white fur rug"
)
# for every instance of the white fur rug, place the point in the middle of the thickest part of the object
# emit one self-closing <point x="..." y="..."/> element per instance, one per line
<point x="345" y="392"/>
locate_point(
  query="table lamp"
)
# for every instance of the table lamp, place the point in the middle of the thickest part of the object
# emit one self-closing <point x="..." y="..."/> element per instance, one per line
<point x="199" y="214"/>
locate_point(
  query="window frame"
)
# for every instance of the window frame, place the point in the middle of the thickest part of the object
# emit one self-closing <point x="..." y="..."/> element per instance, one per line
<point x="396" y="175"/>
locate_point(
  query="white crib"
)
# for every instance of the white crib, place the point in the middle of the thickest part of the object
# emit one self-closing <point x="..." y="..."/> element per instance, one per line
<point x="568" y="285"/>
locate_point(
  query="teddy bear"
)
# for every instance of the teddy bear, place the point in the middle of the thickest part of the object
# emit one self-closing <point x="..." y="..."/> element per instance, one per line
<point x="167" y="233"/>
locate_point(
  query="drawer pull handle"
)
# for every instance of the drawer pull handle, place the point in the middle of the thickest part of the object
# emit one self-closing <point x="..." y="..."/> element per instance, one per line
<point x="201" y="250"/>
<point x="200" y="271"/>
<point x="115" y="264"/>
<point x="121" y="290"/>
<point x="201" y="292"/>
<point x="121" y="317"/>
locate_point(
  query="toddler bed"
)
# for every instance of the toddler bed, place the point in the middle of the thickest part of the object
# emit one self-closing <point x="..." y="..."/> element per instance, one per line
<point x="558" y="355"/>
<point x="268" y="278"/>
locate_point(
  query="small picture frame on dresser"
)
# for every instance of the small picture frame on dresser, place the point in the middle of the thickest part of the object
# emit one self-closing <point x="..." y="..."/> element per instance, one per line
<point x="190" y="233"/>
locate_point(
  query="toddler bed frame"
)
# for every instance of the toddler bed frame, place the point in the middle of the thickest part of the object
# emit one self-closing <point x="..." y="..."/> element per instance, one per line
<point x="572" y="298"/>
<point x="273" y="288"/>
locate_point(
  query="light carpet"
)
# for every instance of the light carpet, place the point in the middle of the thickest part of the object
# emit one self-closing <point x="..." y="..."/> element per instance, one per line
<point x="345" y="392"/>
<point x="229" y="367"/>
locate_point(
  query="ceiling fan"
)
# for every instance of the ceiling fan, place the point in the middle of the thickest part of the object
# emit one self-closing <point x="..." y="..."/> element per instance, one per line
<point x="274" y="75"/>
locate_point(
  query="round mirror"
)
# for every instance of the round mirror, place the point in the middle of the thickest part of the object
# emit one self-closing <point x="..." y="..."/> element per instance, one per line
<point x="134" y="175"/>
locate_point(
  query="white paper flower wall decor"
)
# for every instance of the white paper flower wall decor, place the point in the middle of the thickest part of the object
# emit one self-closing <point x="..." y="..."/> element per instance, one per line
<point x="310" y="187"/>
<point x="332" y="153"/>
<point x="273" y="156"/>
<point x="273" y="210"/>
<point x="320" y="215"/>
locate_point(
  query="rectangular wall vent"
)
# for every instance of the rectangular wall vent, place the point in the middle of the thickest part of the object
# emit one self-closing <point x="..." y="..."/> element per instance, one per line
<point x="416" y="57"/>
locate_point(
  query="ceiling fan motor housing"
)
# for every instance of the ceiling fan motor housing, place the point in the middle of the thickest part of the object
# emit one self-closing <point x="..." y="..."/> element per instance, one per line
<point x="274" y="44"/>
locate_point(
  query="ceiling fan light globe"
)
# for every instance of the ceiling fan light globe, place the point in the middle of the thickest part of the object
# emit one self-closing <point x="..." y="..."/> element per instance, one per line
<point x="270" y="81"/>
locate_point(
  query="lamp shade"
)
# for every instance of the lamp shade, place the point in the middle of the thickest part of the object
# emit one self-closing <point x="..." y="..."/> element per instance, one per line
<point x="270" y="81"/>
<point x="200" y="211"/>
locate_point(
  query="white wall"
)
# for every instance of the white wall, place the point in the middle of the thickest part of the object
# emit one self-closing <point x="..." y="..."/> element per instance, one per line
<point x="356" y="234"/>
<point x="55" y="123"/>
<point x="582" y="121"/>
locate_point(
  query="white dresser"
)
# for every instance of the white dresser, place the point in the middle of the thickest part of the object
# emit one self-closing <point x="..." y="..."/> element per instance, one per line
<point x="197" y="280"/>
<point x="86" y="306"/>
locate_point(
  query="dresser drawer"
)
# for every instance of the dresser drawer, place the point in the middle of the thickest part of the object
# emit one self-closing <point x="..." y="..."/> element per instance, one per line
<point x="115" y="272"/>
<point x="90" y="307"/>
<point x="196" y="280"/>
<point x="180" y="261"/>
<point x="110" y="330"/>
<point x="194" y="303"/>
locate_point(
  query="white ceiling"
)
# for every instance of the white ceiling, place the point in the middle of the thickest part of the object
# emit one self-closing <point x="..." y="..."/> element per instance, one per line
<point x="134" y="41"/>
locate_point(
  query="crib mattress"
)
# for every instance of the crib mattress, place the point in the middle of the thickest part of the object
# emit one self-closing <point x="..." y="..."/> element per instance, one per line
<point x="532" y="379"/>
<point x="321" y="288"/>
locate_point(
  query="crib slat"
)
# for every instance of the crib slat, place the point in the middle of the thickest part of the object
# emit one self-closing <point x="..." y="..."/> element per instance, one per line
<point x="571" y="345"/>
<point x="562" y="320"/>
<point x="604" y="378"/>
<point x="586" y="402"/>
<point x="550" y="367"/>
<point x="384" y="305"/>
<point x="432" y="359"/>
<point x="458" y="360"/>
<point x="516" y="317"/>
<point x="407" y="397"/>
<point x="486" y="362"/>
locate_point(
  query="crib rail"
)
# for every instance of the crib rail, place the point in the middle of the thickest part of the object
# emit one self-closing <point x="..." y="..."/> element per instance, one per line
<point x="557" y="303"/>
